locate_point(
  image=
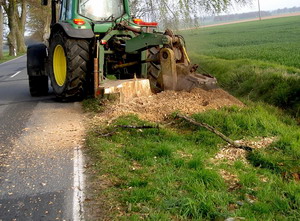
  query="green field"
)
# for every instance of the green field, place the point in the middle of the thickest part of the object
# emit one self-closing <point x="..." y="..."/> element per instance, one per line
<point x="275" y="41"/>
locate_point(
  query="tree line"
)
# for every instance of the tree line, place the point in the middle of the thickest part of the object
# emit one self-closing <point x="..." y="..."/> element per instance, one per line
<point x="20" y="16"/>
<point x="15" y="12"/>
<point x="30" y="17"/>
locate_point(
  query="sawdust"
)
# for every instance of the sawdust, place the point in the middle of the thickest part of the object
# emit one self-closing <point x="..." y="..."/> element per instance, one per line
<point x="157" y="107"/>
<point x="182" y="154"/>
<point x="50" y="129"/>
<point x="231" y="179"/>
<point x="232" y="154"/>
<point x="41" y="158"/>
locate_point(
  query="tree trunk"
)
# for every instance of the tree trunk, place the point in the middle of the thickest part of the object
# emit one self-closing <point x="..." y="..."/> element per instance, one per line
<point x="16" y="22"/>
<point x="12" y="43"/>
<point x="1" y="32"/>
<point x="21" y="28"/>
<point x="11" y="11"/>
<point x="20" y="41"/>
<point x="46" y="32"/>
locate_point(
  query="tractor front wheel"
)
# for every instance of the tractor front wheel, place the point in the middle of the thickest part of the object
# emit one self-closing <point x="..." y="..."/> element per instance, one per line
<point x="69" y="66"/>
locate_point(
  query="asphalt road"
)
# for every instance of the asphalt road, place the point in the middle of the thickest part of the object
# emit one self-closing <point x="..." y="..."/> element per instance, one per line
<point x="37" y="141"/>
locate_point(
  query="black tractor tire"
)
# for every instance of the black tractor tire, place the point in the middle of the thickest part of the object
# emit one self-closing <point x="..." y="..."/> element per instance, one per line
<point x="77" y="58"/>
<point x="38" y="85"/>
<point x="153" y="71"/>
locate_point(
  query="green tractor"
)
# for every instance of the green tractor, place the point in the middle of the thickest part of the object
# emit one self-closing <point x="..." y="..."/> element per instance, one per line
<point x="92" y="41"/>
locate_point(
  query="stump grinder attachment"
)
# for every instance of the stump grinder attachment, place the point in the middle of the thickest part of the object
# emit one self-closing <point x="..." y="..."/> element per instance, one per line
<point x="177" y="73"/>
<point x="168" y="68"/>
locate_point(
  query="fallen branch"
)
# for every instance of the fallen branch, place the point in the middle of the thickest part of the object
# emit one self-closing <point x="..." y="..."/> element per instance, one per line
<point x="215" y="131"/>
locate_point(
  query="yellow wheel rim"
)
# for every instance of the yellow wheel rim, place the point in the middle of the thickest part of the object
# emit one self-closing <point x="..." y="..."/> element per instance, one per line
<point x="59" y="65"/>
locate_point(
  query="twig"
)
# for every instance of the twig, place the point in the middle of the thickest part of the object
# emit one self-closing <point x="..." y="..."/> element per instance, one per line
<point x="215" y="131"/>
<point x="124" y="126"/>
<point x="138" y="127"/>
<point x="106" y="134"/>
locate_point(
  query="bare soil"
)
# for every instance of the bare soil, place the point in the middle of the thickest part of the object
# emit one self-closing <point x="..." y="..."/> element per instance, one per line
<point x="157" y="107"/>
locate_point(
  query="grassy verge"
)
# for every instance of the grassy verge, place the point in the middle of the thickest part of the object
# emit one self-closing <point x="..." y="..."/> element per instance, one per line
<point x="179" y="172"/>
<point x="259" y="81"/>
<point x="256" y="60"/>
<point x="170" y="173"/>
<point x="6" y="57"/>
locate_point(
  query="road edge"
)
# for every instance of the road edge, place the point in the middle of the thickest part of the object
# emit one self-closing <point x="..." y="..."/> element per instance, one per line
<point x="79" y="178"/>
<point x="12" y="60"/>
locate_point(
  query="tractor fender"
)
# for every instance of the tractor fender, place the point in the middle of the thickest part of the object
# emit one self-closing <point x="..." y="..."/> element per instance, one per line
<point x="37" y="55"/>
<point x="72" y="32"/>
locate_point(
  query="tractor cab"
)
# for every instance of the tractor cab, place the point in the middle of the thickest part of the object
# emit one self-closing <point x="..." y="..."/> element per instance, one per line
<point x="97" y="16"/>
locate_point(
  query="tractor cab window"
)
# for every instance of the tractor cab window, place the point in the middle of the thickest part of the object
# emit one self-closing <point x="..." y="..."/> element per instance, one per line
<point x="101" y="10"/>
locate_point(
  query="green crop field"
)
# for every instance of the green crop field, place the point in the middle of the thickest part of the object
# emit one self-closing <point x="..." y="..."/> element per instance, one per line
<point x="275" y="41"/>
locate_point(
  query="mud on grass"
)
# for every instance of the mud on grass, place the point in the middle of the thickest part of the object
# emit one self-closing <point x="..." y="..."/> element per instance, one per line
<point x="169" y="173"/>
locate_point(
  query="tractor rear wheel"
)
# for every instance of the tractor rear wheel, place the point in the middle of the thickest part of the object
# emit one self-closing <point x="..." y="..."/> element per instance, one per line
<point x="153" y="71"/>
<point x="69" y="64"/>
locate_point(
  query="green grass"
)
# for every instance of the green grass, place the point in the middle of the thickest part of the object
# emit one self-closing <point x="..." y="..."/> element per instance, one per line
<point x="6" y="57"/>
<point x="257" y="81"/>
<point x="93" y="105"/>
<point x="257" y="60"/>
<point x="167" y="174"/>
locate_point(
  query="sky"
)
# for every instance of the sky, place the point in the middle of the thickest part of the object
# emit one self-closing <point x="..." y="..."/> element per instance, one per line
<point x="267" y="5"/>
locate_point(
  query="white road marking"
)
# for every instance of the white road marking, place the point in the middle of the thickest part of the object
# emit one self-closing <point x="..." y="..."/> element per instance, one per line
<point x="78" y="196"/>
<point x="11" y="60"/>
<point x="15" y="74"/>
